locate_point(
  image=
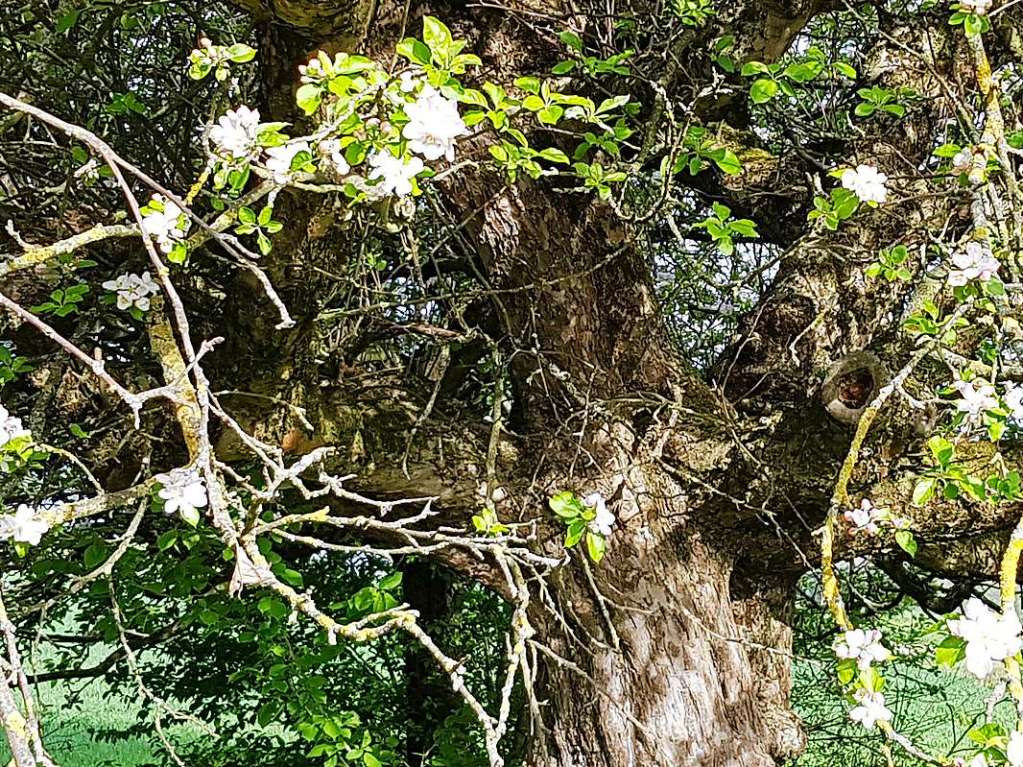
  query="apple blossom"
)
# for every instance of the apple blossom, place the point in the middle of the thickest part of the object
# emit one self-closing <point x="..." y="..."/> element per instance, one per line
<point x="976" y="262"/>
<point x="235" y="133"/>
<point x="182" y="492"/>
<point x="978" y="396"/>
<point x="603" y="523"/>
<point x="164" y="221"/>
<point x="10" y="427"/>
<point x="279" y="159"/>
<point x="433" y="125"/>
<point x="862" y="646"/>
<point x="1014" y="749"/>
<point x="870" y="709"/>
<point x="333" y="153"/>
<point x="395" y="174"/>
<point x="1013" y="400"/>
<point x="23" y="526"/>
<point x="865" y="517"/>
<point x="133" y="290"/>
<point x="979" y="7"/>
<point x="990" y="637"/>
<point x="867" y="183"/>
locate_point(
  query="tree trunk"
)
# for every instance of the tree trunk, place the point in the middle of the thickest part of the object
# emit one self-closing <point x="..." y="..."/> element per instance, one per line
<point x="684" y="688"/>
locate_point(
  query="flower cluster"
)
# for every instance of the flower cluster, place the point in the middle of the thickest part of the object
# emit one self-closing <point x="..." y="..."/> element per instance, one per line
<point x="133" y="290"/>
<point x="979" y="7"/>
<point x="862" y="646"/>
<point x="10" y="427"/>
<point x="603" y="523"/>
<point x="1013" y="400"/>
<point x="974" y="263"/>
<point x="976" y="398"/>
<point x="235" y="133"/>
<point x="870" y="708"/>
<point x="25" y="525"/>
<point x="334" y="155"/>
<point x="393" y="175"/>
<point x="279" y="159"/>
<point x="183" y="493"/>
<point x="867" y="183"/>
<point x="865" y="518"/>
<point x="990" y="637"/>
<point x="164" y="221"/>
<point x="434" y="124"/>
<point x="217" y="58"/>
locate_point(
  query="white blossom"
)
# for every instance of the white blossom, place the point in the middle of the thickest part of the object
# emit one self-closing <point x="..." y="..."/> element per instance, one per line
<point x="433" y="125"/>
<point x="978" y="761"/>
<point x="133" y="290"/>
<point x="334" y="154"/>
<point x="395" y="174"/>
<point x="990" y="637"/>
<point x="1014" y="751"/>
<point x="976" y="262"/>
<point x="182" y="491"/>
<point x="235" y="133"/>
<point x="10" y="427"/>
<point x="979" y="7"/>
<point x="867" y="183"/>
<point x="862" y="646"/>
<point x="164" y="222"/>
<point x="24" y="525"/>
<point x="962" y="162"/>
<point x="311" y="72"/>
<point x="865" y="517"/>
<point x="603" y="523"/>
<point x="870" y="709"/>
<point x="279" y="159"/>
<point x="978" y="396"/>
<point x="408" y="82"/>
<point x="1013" y="400"/>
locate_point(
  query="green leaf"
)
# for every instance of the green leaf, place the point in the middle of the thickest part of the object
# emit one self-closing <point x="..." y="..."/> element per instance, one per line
<point x="572" y="40"/>
<point x="906" y="542"/>
<point x="763" y="90"/>
<point x="612" y="103"/>
<point x="863" y="109"/>
<point x="924" y="490"/>
<point x="950" y="652"/>
<point x="267" y="713"/>
<point x="554" y="155"/>
<point x="563" y="67"/>
<point x="942" y="450"/>
<point x="308" y="97"/>
<point x="528" y="84"/>
<point x="436" y="35"/>
<point x="550" y="115"/>
<point x="845" y="69"/>
<point x="754" y="68"/>
<point x="68" y="20"/>
<point x="166" y="540"/>
<point x="847" y="670"/>
<point x="95" y="555"/>
<point x="391" y="581"/>
<point x="240" y="53"/>
<point x="533" y="103"/>
<point x="596" y="546"/>
<point x="567" y="505"/>
<point x="728" y="163"/>
<point x="414" y="50"/>
<point x="575" y="533"/>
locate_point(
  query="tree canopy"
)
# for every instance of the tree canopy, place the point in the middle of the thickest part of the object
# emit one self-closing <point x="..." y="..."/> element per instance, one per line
<point x="513" y="383"/>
